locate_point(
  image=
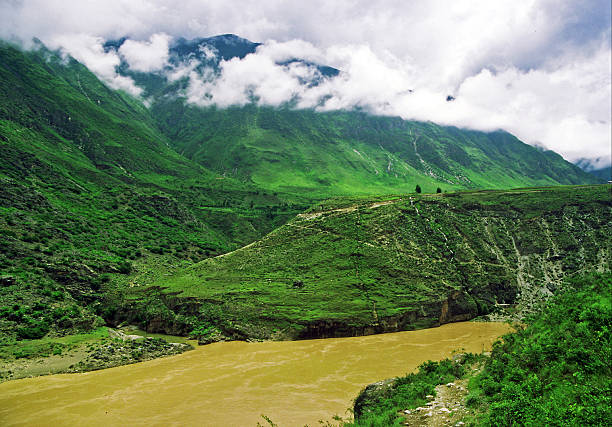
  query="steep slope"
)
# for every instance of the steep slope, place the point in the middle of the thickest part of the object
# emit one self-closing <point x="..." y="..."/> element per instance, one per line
<point x="89" y="187"/>
<point x="604" y="174"/>
<point x="354" y="153"/>
<point x="359" y="266"/>
<point x="100" y="197"/>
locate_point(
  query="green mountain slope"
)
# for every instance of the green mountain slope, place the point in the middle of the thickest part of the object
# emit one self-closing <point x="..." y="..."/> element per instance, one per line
<point x="604" y="174"/>
<point x="101" y="198"/>
<point x="89" y="186"/>
<point x="354" y="153"/>
<point x="358" y="266"/>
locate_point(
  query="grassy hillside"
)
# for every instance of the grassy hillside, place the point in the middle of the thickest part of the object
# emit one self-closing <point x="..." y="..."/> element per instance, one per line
<point x="102" y="201"/>
<point x="334" y="153"/>
<point x="354" y="266"/>
<point x="558" y="370"/>
<point x="349" y="153"/>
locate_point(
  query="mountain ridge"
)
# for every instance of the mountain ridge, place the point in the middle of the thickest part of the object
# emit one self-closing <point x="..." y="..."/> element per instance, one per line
<point x="261" y="143"/>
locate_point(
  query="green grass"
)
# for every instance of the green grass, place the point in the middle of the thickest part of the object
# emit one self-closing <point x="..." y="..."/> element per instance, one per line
<point x="379" y="406"/>
<point x="50" y="345"/>
<point x="353" y="261"/>
<point x="101" y="197"/>
<point x="350" y="153"/>
<point x="90" y="189"/>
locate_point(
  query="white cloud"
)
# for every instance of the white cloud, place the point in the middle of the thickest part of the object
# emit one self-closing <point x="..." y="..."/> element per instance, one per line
<point x="257" y="77"/>
<point x="89" y="51"/>
<point x="563" y="106"/>
<point x="210" y="53"/>
<point x="146" y="56"/>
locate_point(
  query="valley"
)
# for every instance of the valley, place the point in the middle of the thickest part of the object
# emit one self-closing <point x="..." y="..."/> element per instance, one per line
<point x="233" y="230"/>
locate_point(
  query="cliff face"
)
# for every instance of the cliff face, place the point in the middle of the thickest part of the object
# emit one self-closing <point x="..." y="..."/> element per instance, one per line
<point x="377" y="265"/>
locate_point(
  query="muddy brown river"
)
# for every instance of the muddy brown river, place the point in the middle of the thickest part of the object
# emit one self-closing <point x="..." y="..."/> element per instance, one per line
<point x="232" y="384"/>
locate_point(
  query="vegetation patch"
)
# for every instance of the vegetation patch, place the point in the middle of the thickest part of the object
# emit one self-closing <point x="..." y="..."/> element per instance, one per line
<point x="365" y="265"/>
<point x="558" y="370"/>
<point x="98" y="349"/>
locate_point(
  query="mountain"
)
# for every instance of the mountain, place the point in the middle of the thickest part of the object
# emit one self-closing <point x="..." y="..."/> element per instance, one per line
<point x="333" y="153"/>
<point x="602" y="174"/>
<point x="344" y="153"/>
<point x="605" y="174"/>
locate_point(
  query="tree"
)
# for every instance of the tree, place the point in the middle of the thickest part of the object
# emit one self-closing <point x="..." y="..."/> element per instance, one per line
<point x="438" y="190"/>
<point x="417" y="188"/>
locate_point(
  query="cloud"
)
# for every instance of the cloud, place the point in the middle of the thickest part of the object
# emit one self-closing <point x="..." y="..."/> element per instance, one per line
<point x="563" y="106"/>
<point x="538" y="68"/>
<point x="255" y="78"/>
<point x="89" y="50"/>
<point x="146" y="56"/>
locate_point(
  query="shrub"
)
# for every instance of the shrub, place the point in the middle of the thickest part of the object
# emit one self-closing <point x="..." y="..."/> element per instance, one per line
<point x="556" y="371"/>
<point x="34" y="329"/>
<point x="124" y="267"/>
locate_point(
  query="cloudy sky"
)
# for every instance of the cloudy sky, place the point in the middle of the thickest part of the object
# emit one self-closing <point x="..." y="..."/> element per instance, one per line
<point x="537" y="68"/>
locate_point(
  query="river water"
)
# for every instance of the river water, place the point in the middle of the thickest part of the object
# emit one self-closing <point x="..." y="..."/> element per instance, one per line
<point x="232" y="384"/>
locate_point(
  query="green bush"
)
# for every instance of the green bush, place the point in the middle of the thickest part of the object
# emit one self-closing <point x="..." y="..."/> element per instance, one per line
<point x="558" y="370"/>
<point x="124" y="267"/>
<point x="380" y="407"/>
<point x="34" y="329"/>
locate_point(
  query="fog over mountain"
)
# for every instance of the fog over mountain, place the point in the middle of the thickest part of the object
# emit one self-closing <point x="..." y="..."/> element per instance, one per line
<point x="538" y="69"/>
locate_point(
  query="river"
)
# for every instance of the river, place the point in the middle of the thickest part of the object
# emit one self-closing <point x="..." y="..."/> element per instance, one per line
<point x="232" y="384"/>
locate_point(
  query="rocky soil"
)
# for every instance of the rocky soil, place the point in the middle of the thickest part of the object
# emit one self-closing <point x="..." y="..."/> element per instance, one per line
<point x="446" y="409"/>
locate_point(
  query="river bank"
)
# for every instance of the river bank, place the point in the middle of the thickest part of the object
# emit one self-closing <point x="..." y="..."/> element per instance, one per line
<point x="554" y="370"/>
<point x="99" y="349"/>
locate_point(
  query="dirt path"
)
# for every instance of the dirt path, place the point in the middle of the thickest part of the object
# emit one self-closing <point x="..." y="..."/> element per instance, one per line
<point x="447" y="409"/>
<point x="388" y="202"/>
<point x="313" y="215"/>
<point x="235" y="250"/>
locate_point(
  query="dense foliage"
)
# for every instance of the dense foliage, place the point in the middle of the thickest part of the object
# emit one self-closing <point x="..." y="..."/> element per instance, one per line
<point x="102" y="197"/>
<point x="90" y="191"/>
<point x="558" y="370"/>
